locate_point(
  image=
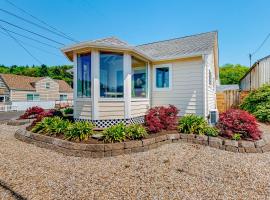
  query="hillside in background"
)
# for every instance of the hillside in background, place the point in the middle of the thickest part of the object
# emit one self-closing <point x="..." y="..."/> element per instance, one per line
<point x="55" y="72"/>
<point x="231" y="74"/>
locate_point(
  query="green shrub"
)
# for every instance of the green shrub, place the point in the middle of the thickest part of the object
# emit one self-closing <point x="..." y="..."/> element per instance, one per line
<point x="68" y="111"/>
<point x="263" y="113"/>
<point x="192" y="124"/>
<point x="258" y="103"/>
<point x="136" y="131"/>
<point x="236" y="136"/>
<point x="51" y="126"/>
<point x="115" y="133"/>
<point x="79" y="131"/>
<point x="211" y="131"/>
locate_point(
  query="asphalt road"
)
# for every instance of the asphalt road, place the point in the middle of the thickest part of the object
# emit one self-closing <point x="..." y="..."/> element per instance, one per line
<point x="4" y="116"/>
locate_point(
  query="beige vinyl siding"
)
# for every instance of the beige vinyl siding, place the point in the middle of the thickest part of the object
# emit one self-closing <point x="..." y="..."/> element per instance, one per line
<point x="83" y="109"/>
<point x="211" y="96"/>
<point x="17" y="95"/>
<point x="3" y="88"/>
<point x="111" y="110"/>
<point x="187" y="88"/>
<point x="258" y="75"/>
<point x="50" y="94"/>
<point x="139" y="107"/>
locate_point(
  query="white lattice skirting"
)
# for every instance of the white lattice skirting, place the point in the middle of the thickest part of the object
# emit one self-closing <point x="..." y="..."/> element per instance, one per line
<point x="110" y="122"/>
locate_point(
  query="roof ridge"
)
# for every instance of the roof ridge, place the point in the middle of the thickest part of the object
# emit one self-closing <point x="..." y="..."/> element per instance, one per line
<point x="215" y="31"/>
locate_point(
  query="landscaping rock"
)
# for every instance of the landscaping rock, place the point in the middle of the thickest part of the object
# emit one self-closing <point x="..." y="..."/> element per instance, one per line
<point x="97" y="136"/>
<point x="191" y="137"/>
<point x="215" y="142"/>
<point x="202" y="139"/>
<point x="266" y="148"/>
<point x="174" y="136"/>
<point x="231" y="148"/>
<point x="114" y="146"/>
<point x="246" y="144"/>
<point x="95" y="147"/>
<point x="132" y="144"/>
<point x="161" y="138"/>
<point x="118" y="152"/>
<point x="232" y="143"/>
<point x="260" y="143"/>
<point x="148" y="141"/>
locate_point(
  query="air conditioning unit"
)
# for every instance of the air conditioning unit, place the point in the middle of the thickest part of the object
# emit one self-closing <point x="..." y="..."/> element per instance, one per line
<point x="213" y="116"/>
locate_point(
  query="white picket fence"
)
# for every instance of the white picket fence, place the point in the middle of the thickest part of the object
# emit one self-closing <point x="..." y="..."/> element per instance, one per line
<point x="6" y="108"/>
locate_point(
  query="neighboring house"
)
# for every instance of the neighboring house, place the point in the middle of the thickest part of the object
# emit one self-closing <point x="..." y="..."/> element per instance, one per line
<point x="257" y="75"/>
<point x="222" y="88"/>
<point x="116" y="82"/>
<point x="23" y="92"/>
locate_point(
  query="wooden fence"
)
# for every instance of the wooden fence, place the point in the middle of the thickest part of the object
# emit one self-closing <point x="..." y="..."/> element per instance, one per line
<point x="229" y="99"/>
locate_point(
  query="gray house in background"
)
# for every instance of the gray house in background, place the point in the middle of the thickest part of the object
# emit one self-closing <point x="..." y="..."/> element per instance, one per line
<point x="257" y="75"/>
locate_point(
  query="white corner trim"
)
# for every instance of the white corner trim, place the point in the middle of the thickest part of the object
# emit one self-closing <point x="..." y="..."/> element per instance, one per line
<point x="95" y="84"/>
<point x="127" y="84"/>
<point x="154" y="78"/>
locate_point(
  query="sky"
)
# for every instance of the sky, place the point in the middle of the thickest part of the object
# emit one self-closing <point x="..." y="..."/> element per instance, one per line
<point x="242" y="26"/>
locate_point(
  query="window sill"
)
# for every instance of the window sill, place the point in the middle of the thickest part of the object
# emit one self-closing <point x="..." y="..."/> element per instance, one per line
<point x="140" y="99"/>
<point x="110" y="99"/>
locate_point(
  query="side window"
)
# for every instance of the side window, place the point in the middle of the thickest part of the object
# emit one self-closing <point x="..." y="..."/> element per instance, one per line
<point x="163" y="77"/>
<point x="47" y="85"/>
<point x="63" y="97"/>
<point x="33" y="97"/>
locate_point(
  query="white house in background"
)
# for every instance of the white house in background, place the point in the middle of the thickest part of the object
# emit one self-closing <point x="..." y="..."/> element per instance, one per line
<point x="21" y="92"/>
<point x="116" y="82"/>
<point x="257" y="75"/>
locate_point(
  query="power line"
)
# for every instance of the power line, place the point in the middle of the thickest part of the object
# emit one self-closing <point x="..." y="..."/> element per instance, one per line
<point x="31" y="38"/>
<point x="39" y="20"/>
<point x="252" y="54"/>
<point x="21" y="45"/>
<point x="31" y="32"/>
<point x="33" y="23"/>
<point x="33" y="46"/>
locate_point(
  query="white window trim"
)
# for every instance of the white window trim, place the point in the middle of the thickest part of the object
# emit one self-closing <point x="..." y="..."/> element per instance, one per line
<point x="170" y="77"/>
<point x="33" y="97"/>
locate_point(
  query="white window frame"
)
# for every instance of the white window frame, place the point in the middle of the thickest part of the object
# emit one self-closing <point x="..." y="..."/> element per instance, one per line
<point x="170" y="77"/>
<point x="63" y="95"/>
<point x="47" y="85"/>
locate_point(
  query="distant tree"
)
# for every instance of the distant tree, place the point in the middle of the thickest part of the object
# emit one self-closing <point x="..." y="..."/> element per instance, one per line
<point x="231" y="74"/>
<point x="43" y="71"/>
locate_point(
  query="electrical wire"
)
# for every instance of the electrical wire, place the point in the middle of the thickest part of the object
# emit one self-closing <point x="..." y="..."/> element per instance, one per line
<point x="11" y="24"/>
<point x="39" y="20"/>
<point x="21" y="45"/>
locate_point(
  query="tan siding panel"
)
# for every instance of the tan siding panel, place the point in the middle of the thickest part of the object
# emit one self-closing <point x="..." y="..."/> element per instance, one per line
<point x="111" y="109"/>
<point x="83" y="109"/>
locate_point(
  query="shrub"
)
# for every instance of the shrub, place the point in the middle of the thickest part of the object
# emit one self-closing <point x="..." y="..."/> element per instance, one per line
<point x="258" y="103"/>
<point x="43" y="126"/>
<point x="42" y="115"/>
<point x="115" y="133"/>
<point x="238" y="121"/>
<point x="135" y="131"/>
<point x="32" y="112"/>
<point x="211" y="131"/>
<point x="68" y="111"/>
<point x="236" y="136"/>
<point x="159" y="118"/>
<point x="263" y="113"/>
<point x="192" y="124"/>
<point x="79" y="131"/>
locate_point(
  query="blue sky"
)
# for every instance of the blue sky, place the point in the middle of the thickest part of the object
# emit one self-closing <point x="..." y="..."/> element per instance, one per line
<point x="242" y="25"/>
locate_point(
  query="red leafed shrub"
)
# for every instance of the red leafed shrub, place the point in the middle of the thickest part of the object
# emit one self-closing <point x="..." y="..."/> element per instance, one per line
<point x="239" y="121"/>
<point x="42" y="115"/>
<point x="161" y="117"/>
<point x="32" y="112"/>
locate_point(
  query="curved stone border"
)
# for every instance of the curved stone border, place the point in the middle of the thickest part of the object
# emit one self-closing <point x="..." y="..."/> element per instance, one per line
<point x="114" y="149"/>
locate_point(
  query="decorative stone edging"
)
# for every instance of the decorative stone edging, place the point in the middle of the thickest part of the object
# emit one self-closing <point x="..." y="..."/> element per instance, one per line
<point x="19" y="122"/>
<point x="114" y="149"/>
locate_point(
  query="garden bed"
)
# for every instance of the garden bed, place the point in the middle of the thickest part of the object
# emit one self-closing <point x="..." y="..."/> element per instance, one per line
<point x="98" y="150"/>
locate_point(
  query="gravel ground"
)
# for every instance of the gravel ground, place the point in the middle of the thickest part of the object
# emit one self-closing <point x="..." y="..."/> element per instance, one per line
<point x="173" y="171"/>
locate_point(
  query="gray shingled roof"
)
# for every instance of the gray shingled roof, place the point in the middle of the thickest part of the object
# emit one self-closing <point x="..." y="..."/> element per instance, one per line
<point x="111" y="41"/>
<point x="180" y="47"/>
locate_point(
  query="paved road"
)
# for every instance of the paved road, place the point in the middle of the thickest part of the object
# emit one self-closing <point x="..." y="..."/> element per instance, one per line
<point x="4" y="116"/>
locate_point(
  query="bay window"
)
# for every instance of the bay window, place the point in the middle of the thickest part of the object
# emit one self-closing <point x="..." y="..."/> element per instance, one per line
<point x="84" y="75"/>
<point x="139" y="78"/>
<point x="111" y="75"/>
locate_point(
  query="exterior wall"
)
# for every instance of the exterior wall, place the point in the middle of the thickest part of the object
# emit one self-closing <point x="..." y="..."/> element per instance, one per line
<point x="211" y="88"/>
<point x="23" y="105"/>
<point x="3" y="88"/>
<point x="257" y="76"/>
<point x="83" y="109"/>
<point x="18" y="95"/>
<point x="111" y="110"/>
<point x="187" y="88"/>
<point x="49" y="94"/>
<point x="139" y="107"/>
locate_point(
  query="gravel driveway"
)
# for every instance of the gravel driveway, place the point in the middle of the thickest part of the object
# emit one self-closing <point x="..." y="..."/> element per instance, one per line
<point x="173" y="171"/>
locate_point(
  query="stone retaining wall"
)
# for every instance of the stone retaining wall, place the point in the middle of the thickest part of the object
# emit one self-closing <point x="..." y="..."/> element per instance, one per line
<point x="114" y="149"/>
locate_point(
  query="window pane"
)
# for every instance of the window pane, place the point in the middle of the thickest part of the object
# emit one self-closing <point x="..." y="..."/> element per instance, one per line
<point x="111" y="75"/>
<point x="36" y="97"/>
<point x="63" y="97"/>
<point x="84" y="75"/>
<point x="162" y="77"/>
<point x="139" y="78"/>
<point x="29" y="97"/>
<point x="47" y="85"/>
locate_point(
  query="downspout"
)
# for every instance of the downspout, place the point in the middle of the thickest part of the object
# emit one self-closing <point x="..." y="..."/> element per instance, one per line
<point x="205" y="98"/>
